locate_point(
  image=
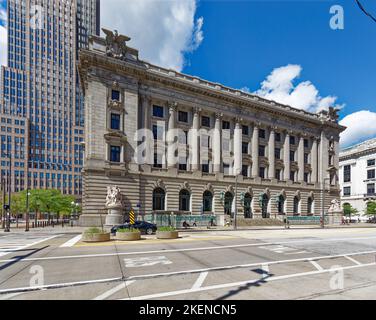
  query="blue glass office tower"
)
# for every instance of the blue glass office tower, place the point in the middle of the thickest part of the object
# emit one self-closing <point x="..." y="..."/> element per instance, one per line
<point x="40" y="89"/>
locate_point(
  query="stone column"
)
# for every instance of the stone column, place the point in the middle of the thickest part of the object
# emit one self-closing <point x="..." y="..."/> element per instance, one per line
<point x="238" y="161"/>
<point x="301" y="159"/>
<point x="148" y="134"/>
<point x="171" y="161"/>
<point x="195" y="156"/>
<point x="314" y="160"/>
<point x="255" y="155"/>
<point x="323" y="157"/>
<point x="217" y="145"/>
<point x="271" y="155"/>
<point x="286" y="156"/>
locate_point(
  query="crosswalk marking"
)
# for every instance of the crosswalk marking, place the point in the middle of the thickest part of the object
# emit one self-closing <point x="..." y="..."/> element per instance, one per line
<point x="16" y="242"/>
<point x="71" y="242"/>
<point x="112" y="291"/>
<point x="316" y="265"/>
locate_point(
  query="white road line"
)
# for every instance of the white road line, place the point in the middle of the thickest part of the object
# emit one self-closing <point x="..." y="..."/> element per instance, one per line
<point x="58" y="285"/>
<point x="242" y="283"/>
<point x="265" y="269"/>
<point x="182" y="250"/>
<point x="353" y="260"/>
<point x="26" y="246"/>
<point x="112" y="291"/>
<point x="71" y="242"/>
<point x="200" y="280"/>
<point x="10" y="296"/>
<point x="316" y="265"/>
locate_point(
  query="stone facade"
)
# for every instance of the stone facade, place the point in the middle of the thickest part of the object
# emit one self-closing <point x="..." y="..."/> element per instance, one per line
<point x="275" y="158"/>
<point x="358" y="175"/>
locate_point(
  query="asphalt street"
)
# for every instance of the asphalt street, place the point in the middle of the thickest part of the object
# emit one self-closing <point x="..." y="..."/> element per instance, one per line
<point x="246" y="264"/>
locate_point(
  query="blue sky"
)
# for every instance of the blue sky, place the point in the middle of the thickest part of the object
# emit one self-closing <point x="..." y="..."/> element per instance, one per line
<point x="243" y="43"/>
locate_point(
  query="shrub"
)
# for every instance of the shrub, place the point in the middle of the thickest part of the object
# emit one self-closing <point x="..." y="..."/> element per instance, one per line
<point x="123" y="230"/>
<point x="94" y="231"/>
<point x="166" y="229"/>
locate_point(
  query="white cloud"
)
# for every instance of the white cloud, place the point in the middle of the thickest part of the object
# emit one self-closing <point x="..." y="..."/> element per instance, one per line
<point x="3" y="36"/>
<point x="279" y="86"/>
<point x="360" y="126"/>
<point x="3" y="45"/>
<point x="162" y="30"/>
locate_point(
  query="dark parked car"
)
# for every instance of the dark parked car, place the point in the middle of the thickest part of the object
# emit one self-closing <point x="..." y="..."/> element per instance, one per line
<point x="143" y="226"/>
<point x="372" y="220"/>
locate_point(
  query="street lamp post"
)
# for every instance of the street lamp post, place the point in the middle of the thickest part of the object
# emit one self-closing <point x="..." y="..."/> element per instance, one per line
<point x="236" y="202"/>
<point x="27" y="209"/>
<point x="323" y="201"/>
<point x="7" y="207"/>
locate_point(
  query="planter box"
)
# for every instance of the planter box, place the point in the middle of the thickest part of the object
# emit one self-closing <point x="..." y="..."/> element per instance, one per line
<point x="128" y="236"/>
<point x="96" y="237"/>
<point x="167" y="234"/>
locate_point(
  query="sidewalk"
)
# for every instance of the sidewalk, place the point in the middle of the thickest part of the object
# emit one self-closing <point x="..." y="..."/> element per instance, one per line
<point x="77" y="230"/>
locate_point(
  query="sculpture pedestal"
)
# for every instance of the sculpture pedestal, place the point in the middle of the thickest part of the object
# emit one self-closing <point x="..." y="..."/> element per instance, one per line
<point x="115" y="217"/>
<point x="335" y="218"/>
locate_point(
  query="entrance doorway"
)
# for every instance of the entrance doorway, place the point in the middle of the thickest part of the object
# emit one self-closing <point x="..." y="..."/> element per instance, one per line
<point x="248" y="206"/>
<point x="264" y="206"/>
<point x="229" y="198"/>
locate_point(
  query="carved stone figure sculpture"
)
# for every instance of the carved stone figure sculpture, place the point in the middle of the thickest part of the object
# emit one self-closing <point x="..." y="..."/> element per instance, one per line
<point x="114" y="197"/>
<point x="116" y="44"/>
<point x="335" y="206"/>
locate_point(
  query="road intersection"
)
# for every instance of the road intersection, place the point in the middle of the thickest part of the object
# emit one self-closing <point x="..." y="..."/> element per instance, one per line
<point x="247" y="264"/>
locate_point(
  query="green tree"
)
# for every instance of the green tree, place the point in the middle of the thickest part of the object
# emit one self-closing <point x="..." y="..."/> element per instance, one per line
<point x="371" y="208"/>
<point x="348" y="210"/>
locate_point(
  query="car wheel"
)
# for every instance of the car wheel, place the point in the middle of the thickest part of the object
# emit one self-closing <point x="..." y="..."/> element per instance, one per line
<point x="149" y="231"/>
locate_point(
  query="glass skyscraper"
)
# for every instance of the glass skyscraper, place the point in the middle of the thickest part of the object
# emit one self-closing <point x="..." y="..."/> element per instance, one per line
<point x="40" y="90"/>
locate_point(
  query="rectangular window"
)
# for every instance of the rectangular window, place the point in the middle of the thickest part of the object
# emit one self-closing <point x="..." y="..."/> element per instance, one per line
<point x="157" y="160"/>
<point x="262" y="172"/>
<point x="205" y="168"/>
<point x="306" y="175"/>
<point x="347" y="191"/>
<point x="115" y="121"/>
<point x="292" y="140"/>
<point x="157" y="132"/>
<point x="306" y="143"/>
<point x="292" y="155"/>
<point x="226" y="169"/>
<point x="183" y="116"/>
<point x="347" y="173"/>
<point x="277" y="153"/>
<point x="225" y="125"/>
<point x="306" y="158"/>
<point x="292" y="175"/>
<point x="158" y="111"/>
<point x="205" y="121"/>
<point x="245" y="147"/>
<point x="277" y="137"/>
<point x="370" y="162"/>
<point x="371" y="174"/>
<point x="245" y="130"/>
<point x="115" y="153"/>
<point x="183" y="164"/>
<point x="115" y="95"/>
<point x="261" y="151"/>
<point x="278" y="174"/>
<point x="371" y="189"/>
<point x="262" y="134"/>
<point x="245" y="171"/>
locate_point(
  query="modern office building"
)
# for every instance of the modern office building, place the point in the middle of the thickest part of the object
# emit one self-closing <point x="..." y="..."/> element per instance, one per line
<point x="357" y="174"/>
<point x="173" y="143"/>
<point x="40" y="83"/>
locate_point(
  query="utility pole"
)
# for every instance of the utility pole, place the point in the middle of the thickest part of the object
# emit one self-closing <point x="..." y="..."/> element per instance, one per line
<point x="3" y="207"/>
<point x="7" y="228"/>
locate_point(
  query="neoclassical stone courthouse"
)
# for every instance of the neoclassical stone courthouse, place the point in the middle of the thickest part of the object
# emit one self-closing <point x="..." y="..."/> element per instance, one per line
<point x="203" y="142"/>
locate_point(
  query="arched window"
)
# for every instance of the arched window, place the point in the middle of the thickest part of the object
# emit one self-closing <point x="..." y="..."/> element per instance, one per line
<point x="229" y="198"/>
<point x="310" y="205"/>
<point x="207" y="201"/>
<point x="184" y="200"/>
<point x="281" y="204"/>
<point x="159" y="197"/>
<point x="264" y="206"/>
<point x="296" y="205"/>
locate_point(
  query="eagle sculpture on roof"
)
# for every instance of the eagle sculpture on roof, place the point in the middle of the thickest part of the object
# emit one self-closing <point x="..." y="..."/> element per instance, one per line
<point x="115" y="44"/>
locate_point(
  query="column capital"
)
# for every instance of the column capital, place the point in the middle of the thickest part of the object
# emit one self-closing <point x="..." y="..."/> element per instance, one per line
<point x="218" y="116"/>
<point x="256" y="124"/>
<point x="238" y="120"/>
<point x="172" y="106"/>
<point x="196" y="110"/>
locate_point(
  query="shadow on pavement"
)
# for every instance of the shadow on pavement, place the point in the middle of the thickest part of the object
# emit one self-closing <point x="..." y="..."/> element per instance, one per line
<point x="19" y="258"/>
